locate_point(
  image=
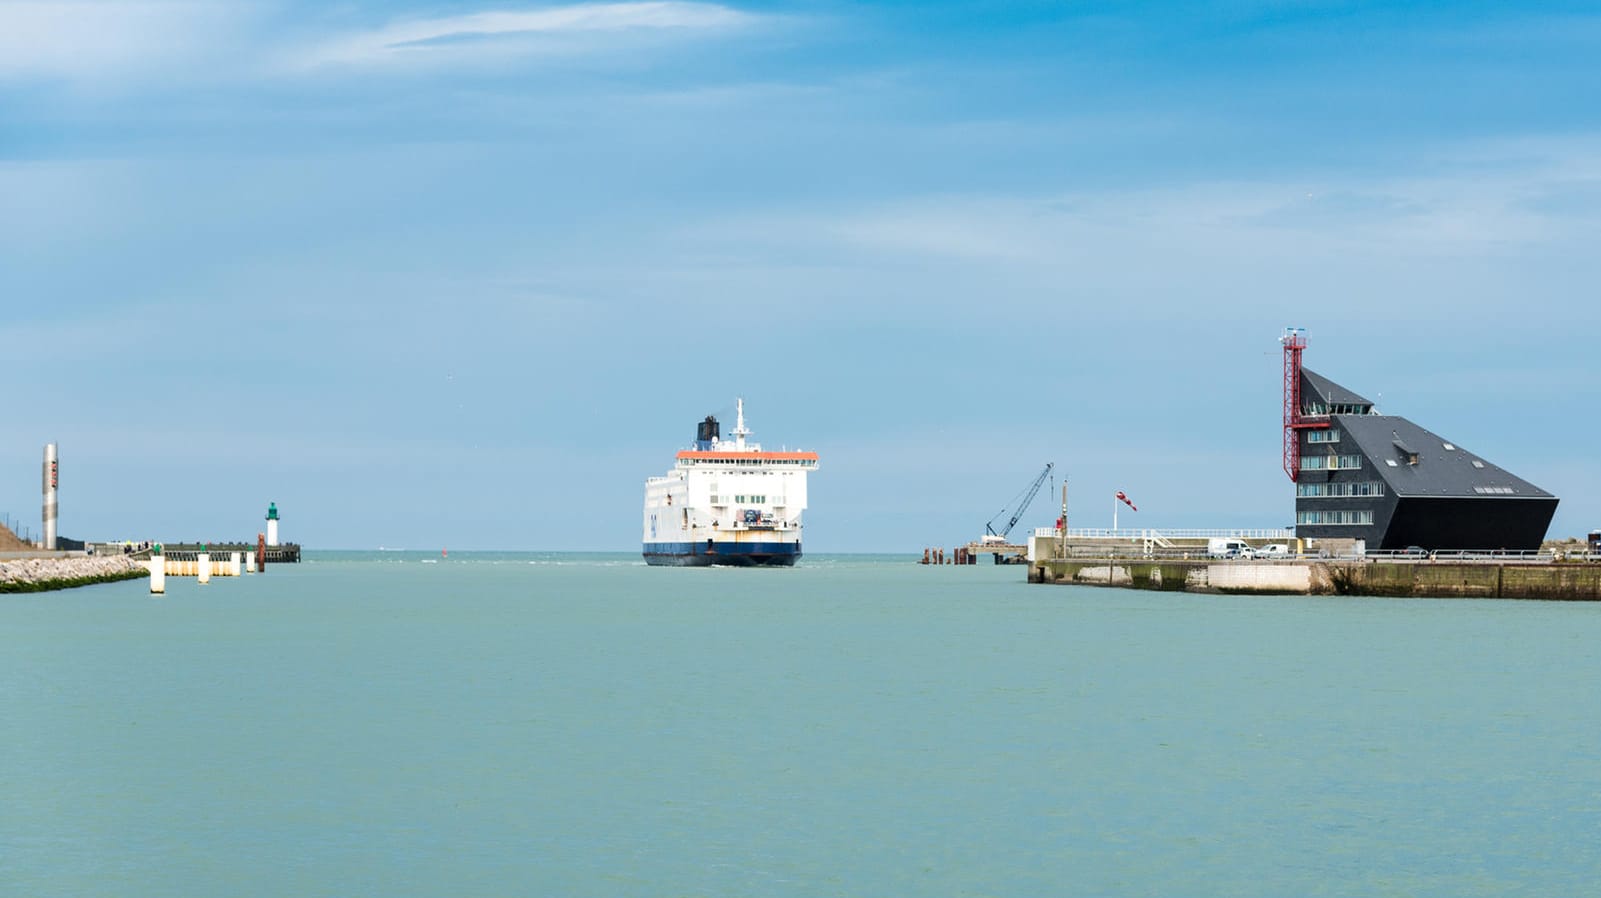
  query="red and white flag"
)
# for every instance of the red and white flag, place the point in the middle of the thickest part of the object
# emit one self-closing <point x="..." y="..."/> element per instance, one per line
<point x="1124" y="499"/>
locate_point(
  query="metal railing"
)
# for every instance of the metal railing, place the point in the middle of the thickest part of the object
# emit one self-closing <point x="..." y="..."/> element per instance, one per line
<point x="1156" y="554"/>
<point x="1167" y="534"/>
<point x="1131" y="553"/>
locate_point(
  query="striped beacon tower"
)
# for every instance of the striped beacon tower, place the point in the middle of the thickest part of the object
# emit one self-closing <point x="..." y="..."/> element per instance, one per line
<point x="52" y="479"/>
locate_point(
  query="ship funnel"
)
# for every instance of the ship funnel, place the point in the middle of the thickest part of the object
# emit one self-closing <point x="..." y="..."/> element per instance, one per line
<point x="706" y="433"/>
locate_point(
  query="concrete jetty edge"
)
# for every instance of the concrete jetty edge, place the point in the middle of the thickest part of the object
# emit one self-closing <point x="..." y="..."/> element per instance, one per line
<point x="1420" y="579"/>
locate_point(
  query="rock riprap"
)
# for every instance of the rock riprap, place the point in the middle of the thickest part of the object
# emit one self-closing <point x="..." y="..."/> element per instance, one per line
<point x="38" y="574"/>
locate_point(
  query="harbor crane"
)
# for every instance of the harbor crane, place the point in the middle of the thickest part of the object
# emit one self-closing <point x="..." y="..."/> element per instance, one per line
<point x="990" y="536"/>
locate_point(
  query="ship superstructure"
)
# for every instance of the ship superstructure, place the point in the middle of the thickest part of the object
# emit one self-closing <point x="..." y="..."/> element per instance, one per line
<point x="727" y="502"/>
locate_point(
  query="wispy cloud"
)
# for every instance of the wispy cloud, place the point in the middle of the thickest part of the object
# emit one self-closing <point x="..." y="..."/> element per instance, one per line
<point x="105" y="41"/>
<point x="512" y="33"/>
<point x="79" y="40"/>
<point x="1481" y="197"/>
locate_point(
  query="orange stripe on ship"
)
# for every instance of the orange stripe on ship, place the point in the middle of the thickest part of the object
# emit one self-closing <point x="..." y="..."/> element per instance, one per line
<point x="741" y="456"/>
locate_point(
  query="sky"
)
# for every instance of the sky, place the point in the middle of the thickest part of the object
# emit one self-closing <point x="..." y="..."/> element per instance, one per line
<point x="465" y="274"/>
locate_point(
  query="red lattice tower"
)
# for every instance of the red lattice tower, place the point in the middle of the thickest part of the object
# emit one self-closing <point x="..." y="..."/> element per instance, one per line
<point x="1294" y="341"/>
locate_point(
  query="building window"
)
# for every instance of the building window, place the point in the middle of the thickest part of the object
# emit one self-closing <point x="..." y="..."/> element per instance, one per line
<point x="1338" y="490"/>
<point x="1332" y="435"/>
<point x="1477" y="463"/>
<point x="1343" y="518"/>
<point x="1330" y="462"/>
<point x="1494" y="490"/>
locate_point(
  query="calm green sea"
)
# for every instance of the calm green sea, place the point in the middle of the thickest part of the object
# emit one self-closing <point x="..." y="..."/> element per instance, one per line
<point x="501" y="724"/>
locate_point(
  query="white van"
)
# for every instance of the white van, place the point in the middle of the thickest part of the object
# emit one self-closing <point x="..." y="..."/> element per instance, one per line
<point x="1229" y="547"/>
<point x="1274" y="550"/>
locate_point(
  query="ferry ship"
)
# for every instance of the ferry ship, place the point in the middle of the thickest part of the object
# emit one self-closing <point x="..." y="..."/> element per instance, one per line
<point x="727" y="502"/>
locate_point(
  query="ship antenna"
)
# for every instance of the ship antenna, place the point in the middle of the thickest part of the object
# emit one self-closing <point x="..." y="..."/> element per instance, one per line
<point x="739" y="424"/>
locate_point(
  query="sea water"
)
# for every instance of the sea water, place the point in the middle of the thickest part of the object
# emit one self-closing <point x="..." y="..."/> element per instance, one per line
<point x="502" y="724"/>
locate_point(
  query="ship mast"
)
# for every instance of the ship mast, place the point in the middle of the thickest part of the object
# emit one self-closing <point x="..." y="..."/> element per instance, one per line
<point x="739" y="425"/>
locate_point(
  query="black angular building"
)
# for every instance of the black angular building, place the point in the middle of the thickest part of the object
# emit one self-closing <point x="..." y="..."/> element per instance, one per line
<point x="1394" y="484"/>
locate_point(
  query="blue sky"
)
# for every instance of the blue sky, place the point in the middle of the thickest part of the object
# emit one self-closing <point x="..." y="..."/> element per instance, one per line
<point x="466" y="274"/>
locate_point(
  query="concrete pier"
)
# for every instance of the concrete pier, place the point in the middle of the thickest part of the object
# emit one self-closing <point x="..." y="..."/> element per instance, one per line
<point x="1424" y="578"/>
<point x="193" y="567"/>
<point x="287" y="553"/>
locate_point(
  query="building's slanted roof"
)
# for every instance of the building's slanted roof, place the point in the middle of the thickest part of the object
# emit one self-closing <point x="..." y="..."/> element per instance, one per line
<point x="1327" y="391"/>
<point x="1440" y="471"/>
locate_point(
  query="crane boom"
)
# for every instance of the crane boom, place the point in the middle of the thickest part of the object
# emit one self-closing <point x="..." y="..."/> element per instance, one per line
<point x="1032" y="491"/>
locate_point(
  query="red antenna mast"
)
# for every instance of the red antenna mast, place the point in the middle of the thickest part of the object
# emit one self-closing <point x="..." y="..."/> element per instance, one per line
<point x="1294" y="341"/>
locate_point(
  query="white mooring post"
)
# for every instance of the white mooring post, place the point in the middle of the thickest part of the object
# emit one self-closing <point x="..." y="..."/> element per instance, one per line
<point x="250" y="562"/>
<point x="158" y="575"/>
<point x="203" y="572"/>
<point x="233" y="565"/>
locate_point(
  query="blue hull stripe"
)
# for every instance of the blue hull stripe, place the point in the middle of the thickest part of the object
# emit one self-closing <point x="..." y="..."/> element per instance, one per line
<point x="745" y="554"/>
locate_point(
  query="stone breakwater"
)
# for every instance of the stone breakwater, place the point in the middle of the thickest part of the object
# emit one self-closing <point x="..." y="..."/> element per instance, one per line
<point x="41" y="574"/>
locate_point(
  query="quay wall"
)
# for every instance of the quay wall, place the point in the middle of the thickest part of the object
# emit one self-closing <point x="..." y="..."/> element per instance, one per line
<point x="1436" y="579"/>
<point x="44" y="574"/>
